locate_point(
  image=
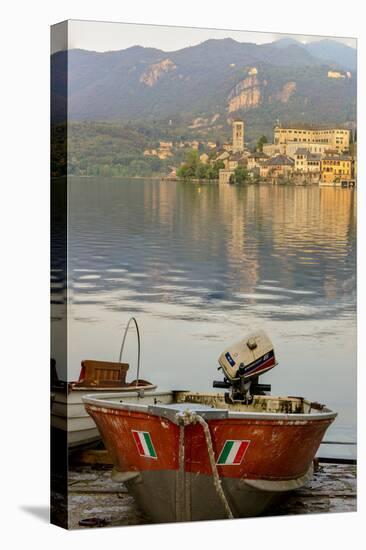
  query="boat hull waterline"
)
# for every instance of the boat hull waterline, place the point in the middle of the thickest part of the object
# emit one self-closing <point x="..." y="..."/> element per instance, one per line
<point x="161" y="452"/>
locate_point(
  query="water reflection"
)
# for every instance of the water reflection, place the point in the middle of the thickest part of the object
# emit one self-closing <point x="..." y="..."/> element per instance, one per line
<point x="200" y="265"/>
<point x="280" y="252"/>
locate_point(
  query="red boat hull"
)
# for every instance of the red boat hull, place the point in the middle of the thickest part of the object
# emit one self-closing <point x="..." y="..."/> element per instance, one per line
<point x="274" y="455"/>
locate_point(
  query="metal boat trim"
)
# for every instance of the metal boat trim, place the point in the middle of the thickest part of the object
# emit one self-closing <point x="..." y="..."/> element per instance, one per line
<point x="162" y="409"/>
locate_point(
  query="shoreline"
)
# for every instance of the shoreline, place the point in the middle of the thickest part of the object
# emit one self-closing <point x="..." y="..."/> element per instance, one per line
<point x="196" y="181"/>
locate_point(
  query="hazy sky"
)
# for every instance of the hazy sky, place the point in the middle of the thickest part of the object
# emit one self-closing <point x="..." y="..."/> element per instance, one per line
<point x="103" y="36"/>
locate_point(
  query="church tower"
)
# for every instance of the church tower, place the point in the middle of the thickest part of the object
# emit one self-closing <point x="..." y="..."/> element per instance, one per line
<point x="238" y="136"/>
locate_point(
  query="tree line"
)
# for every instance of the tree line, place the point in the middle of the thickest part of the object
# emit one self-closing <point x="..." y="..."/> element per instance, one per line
<point x="194" y="168"/>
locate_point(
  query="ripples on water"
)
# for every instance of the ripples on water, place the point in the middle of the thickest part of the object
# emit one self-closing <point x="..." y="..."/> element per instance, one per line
<point x="279" y="251"/>
<point x="201" y="265"/>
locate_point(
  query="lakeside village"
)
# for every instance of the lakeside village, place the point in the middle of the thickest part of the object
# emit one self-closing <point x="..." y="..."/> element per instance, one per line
<point x="298" y="155"/>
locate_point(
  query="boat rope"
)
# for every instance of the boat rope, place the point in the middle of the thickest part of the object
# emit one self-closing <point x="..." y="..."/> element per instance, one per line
<point x="138" y="346"/>
<point x="191" y="417"/>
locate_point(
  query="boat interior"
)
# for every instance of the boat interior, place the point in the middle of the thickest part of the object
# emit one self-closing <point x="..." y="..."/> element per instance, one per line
<point x="198" y="400"/>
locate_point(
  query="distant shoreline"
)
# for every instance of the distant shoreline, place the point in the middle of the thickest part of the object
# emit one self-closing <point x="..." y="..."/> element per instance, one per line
<point x="157" y="178"/>
<point x="196" y="181"/>
<point x="190" y="180"/>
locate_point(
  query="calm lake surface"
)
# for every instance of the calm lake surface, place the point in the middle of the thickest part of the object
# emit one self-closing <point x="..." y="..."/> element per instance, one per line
<point x="201" y="266"/>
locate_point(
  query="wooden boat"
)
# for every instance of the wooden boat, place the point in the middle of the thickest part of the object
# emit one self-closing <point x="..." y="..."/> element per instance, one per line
<point x="67" y="410"/>
<point x="196" y="456"/>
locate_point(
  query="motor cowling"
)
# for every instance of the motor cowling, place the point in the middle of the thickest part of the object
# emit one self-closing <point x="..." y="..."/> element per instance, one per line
<point x="243" y="362"/>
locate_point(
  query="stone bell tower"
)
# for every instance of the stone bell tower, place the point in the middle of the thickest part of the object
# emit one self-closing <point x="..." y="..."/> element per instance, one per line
<point x="238" y="136"/>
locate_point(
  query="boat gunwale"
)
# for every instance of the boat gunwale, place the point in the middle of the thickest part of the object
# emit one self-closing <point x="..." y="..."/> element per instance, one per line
<point x="128" y="389"/>
<point x="103" y="401"/>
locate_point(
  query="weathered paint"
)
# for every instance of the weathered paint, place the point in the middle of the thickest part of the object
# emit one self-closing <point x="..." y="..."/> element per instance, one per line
<point x="116" y="428"/>
<point x="179" y="484"/>
<point x="279" y="450"/>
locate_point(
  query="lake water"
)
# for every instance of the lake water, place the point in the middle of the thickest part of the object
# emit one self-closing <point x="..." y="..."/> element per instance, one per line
<point x="201" y="266"/>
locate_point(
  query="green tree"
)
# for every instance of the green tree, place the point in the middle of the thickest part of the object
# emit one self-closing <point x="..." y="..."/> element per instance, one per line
<point x="240" y="175"/>
<point x="213" y="171"/>
<point x="201" y="171"/>
<point x="184" y="171"/>
<point x="262" y="140"/>
<point x="192" y="158"/>
<point x="192" y="167"/>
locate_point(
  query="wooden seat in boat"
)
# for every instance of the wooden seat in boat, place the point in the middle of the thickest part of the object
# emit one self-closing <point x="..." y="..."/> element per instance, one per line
<point x="102" y="373"/>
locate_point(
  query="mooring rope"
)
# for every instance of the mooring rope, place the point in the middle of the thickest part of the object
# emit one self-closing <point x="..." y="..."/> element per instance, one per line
<point x="191" y="417"/>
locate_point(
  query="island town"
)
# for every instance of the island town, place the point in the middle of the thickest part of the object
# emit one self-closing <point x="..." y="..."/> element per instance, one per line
<point x="299" y="154"/>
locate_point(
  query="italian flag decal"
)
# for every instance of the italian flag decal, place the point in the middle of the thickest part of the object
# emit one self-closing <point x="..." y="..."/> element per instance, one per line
<point x="144" y="444"/>
<point x="232" y="452"/>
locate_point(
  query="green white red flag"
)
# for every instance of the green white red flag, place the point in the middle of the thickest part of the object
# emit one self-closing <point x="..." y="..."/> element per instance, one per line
<point x="144" y="444"/>
<point x="233" y="452"/>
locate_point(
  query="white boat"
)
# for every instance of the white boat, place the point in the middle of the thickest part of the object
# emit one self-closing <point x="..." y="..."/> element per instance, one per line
<point x="68" y="414"/>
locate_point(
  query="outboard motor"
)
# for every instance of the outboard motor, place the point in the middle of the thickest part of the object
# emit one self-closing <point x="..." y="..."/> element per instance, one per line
<point x="242" y="364"/>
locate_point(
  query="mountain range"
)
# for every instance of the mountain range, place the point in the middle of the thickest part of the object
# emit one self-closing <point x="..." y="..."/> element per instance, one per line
<point x="326" y="50"/>
<point x="204" y="87"/>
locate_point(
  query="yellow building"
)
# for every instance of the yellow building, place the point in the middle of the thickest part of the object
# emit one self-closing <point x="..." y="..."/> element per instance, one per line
<point x="224" y="175"/>
<point x="165" y="145"/>
<point x="238" y="136"/>
<point x="314" y="148"/>
<point x="231" y="163"/>
<point x="164" y="154"/>
<point x="336" y="74"/>
<point x="150" y="153"/>
<point x="334" y="138"/>
<point x="271" y="149"/>
<point x="307" y="163"/>
<point x="301" y="160"/>
<point x="291" y="147"/>
<point x="223" y="155"/>
<point x="336" y="169"/>
<point x="255" y="160"/>
<point x="227" y="147"/>
<point x="234" y="160"/>
<point x="280" y="165"/>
